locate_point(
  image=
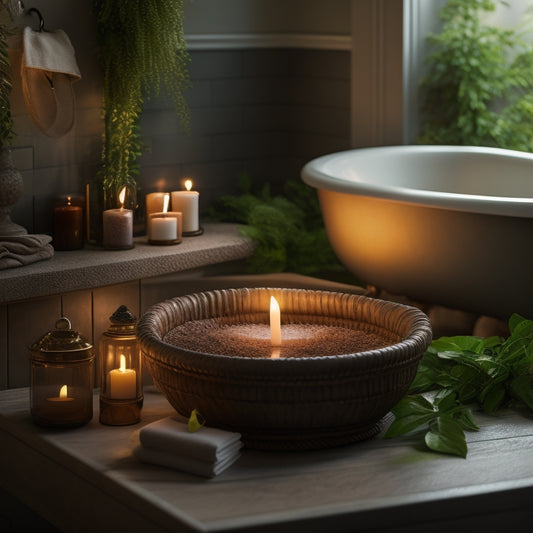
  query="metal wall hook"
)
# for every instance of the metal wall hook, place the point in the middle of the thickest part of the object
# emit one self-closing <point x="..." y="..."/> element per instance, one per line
<point x="41" y="19"/>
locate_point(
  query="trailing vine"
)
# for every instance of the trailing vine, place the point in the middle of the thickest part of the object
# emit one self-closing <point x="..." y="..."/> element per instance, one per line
<point x="142" y="51"/>
<point x="6" y="119"/>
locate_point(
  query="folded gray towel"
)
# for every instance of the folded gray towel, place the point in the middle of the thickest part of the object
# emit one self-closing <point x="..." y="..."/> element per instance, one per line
<point x="20" y="250"/>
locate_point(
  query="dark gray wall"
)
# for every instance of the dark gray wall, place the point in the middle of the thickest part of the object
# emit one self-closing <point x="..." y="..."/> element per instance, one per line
<point x="262" y="111"/>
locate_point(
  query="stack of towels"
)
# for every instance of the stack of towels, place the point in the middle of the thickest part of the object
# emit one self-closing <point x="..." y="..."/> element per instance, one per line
<point x="206" y="452"/>
<point x="20" y="250"/>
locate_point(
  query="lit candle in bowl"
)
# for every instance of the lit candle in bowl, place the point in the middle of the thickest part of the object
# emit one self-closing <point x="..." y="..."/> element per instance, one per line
<point x="275" y="322"/>
<point x="165" y="227"/>
<point x="122" y="382"/>
<point x="118" y="226"/>
<point x="187" y="203"/>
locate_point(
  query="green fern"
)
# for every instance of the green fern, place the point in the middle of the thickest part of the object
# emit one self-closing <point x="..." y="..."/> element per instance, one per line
<point x="142" y="51"/>
<point x="288" y="229"/>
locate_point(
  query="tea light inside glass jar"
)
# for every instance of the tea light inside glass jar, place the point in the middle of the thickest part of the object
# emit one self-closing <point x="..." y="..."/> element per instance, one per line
<point x="61" y="388"/>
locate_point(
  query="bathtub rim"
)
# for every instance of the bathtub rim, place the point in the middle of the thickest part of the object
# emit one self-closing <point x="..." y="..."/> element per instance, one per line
<point x="313" y="175"/>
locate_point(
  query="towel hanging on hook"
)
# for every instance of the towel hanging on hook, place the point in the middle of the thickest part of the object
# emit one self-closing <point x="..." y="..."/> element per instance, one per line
<point x="48" y="70"/>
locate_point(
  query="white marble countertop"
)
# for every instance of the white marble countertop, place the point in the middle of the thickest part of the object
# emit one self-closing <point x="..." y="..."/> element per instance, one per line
<point x="88" y="479"/>
<point x="92" y="266"/>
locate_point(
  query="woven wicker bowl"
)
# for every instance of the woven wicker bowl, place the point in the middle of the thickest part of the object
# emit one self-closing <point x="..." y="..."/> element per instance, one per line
<point x="287" y="403"/>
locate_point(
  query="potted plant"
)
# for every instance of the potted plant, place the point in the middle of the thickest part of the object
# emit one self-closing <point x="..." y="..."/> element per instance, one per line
<point x="479" y="81"/>
<point x="142" y="51"/>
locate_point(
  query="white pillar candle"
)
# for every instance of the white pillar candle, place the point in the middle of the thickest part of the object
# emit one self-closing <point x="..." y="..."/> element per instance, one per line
<point x="188" y="204"/>
<point x="122" y="382"/>
<point x="275" y="322"/>
<point x="165" y="228"/>
<point x="154" y="204"/>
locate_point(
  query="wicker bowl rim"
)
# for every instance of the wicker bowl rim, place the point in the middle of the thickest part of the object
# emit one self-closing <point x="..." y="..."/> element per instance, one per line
<point x="409" y="323"/>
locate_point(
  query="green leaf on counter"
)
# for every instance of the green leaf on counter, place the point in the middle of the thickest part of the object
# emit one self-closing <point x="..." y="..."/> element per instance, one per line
<point x="458" y="374"/>
<point x="446" y="436"/>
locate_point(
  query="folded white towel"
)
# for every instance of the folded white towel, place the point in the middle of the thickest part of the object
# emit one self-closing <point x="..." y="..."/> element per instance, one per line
<point x="186" y="463"/>
<point x="208" y="444"/>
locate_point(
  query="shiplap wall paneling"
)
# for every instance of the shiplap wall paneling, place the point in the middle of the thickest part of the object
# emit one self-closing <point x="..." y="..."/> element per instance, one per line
<point x="27" y="322"/>
<point x="77" y="307"/>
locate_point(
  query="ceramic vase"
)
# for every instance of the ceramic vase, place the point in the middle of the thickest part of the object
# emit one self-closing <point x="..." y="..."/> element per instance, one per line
<point x="10" y="192"/>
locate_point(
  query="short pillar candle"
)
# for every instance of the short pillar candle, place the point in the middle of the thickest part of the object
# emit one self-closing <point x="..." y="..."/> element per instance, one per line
<point x="68" y="226"/>
<point x="154" y="204"/>
<point x="118" y="226"/>
<point x="165" y="228"/>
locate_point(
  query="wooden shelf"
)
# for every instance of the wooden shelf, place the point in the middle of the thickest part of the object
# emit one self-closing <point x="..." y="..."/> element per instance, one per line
<point x="89" y="479"/>
<point x="93" y="267"/>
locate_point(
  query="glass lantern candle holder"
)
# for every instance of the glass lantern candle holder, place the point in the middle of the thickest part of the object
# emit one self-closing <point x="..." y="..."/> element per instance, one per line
<point x="121" y="395"/>
<point x="62" y="378"/>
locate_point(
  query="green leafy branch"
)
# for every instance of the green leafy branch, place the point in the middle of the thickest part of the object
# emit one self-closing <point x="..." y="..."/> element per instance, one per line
<point x="459" y="373"/>
<point x="477" y="89"/>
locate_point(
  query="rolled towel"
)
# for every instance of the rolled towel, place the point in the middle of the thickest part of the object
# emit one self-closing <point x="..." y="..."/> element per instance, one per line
<point x="208" y="444"/>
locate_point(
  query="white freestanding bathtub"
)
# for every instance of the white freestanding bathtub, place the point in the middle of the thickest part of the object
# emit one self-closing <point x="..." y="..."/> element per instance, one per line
<point x="445" y="225"/>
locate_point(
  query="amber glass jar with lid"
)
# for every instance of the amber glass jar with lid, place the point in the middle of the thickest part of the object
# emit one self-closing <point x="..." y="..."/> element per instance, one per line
<point x="62" y="378"/>
<point x="121" y="393"/>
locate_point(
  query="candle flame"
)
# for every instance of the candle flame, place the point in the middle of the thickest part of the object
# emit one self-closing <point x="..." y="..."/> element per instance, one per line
<point x="68" y="200"/>
<point x="275" y="322"/>
<point x="122" y="363"/>
<point x="63" y="392"/>
<point x="166" y="198"/>
<point x="188" y="184"/>
<point x="122" y="196"/>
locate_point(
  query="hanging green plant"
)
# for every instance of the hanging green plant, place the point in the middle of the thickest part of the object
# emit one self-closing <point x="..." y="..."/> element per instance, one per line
<point x="479" y="83"/>
<point x="142" y="50"/>
<point x="6" y="119"/>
